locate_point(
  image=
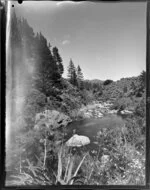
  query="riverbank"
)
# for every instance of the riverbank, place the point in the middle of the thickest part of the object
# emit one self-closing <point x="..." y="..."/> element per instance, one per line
<point x="100" y="109"/>
<point x="97" y="110"/>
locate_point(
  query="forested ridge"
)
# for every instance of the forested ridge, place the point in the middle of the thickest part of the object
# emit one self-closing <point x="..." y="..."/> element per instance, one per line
<point x="37" y="88"/>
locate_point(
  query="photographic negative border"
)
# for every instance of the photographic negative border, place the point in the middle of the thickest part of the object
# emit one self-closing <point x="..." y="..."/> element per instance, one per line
<point x="3" y="14"/>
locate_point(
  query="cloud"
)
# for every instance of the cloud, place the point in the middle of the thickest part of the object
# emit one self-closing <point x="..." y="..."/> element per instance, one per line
<point x="67" y="2"/>
<point x="65" y="42"/>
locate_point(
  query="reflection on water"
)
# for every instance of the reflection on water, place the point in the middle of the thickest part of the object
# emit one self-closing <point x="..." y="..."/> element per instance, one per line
<point x="90" y="127"/>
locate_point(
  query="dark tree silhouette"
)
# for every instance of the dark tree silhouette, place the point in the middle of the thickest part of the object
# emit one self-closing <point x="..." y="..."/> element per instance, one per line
<point x="72" y="76"/>
<point x="142" y="79"/>
<point x="58" y="60"/>
<point x="107" y="82"/>
<point x="80" y="78"/>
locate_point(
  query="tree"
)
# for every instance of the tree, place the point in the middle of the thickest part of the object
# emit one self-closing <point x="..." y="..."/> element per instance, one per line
<point x="107" y="82"/>
<point x="15" y="49"/>
<point x="72" y="76"/>
<point x="58" y="60"/>
<point x="79" y="77"/>
<point x="125" y="89"/>
<point x="133" y="86"/>
<point x="142" y="79"/>
<point x="142" y="85"/>
<point x="46" y="74"/>
<point x="15" y="35"/>
<point x="27" y="35"/>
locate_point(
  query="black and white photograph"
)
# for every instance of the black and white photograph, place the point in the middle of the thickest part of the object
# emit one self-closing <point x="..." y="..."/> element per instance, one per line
<point x="75" y="93"/>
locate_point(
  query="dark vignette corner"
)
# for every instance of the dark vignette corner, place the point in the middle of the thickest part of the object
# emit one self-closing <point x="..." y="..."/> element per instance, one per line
<point x="148" y="98"/>
<point x="2" y="87"/>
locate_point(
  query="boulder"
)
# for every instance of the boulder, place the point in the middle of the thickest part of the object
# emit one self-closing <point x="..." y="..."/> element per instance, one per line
<point x="78" y="141"/>
<point x="126" y="112"/>
<point x="87" y="115"/>
<point x="100" y="115"/>
<point x="112" y="111"/>
<point x="51" y="119"/>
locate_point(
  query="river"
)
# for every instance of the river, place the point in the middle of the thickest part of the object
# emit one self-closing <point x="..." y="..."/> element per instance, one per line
<point x="89" y="127"/>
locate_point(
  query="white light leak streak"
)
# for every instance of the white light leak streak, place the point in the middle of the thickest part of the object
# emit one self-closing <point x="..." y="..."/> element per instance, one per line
<point x="67" y="2"/>
<point x="8" y="77"/>
<point x="19" y="92"/>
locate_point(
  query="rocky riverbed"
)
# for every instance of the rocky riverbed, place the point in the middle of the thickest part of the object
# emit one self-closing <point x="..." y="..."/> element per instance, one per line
<point x="96" y="110"/>
<point x="100" y="109"/>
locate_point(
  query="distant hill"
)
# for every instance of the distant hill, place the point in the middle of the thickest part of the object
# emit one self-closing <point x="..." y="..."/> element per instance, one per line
<point x="95" y="81"/>
<point x="122" y="87"/>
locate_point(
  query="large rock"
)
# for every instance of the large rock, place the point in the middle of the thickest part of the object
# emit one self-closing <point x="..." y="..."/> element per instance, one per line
<point x="51" y="119"/>
<point x="87" y="115"/>
<point x="112" y="111"/>
<point x="126" y="112"/>
<point x="78" y="141"/>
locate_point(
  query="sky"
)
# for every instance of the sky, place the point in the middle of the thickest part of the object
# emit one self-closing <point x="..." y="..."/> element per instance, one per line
<point x="107" y="40"/>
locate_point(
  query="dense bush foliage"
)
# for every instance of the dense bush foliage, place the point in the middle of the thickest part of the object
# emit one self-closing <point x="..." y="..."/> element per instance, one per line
<point x="107" y="82"/>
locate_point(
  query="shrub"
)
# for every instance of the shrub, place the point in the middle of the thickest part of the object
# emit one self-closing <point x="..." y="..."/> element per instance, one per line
<point x="107" y="82"/>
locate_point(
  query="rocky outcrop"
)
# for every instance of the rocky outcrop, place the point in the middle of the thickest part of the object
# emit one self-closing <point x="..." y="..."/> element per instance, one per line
<point x="91" y="113"/>
<point x="51" y="119"/>
<point x="126" y="112"/>
<point x="97" y="110"/>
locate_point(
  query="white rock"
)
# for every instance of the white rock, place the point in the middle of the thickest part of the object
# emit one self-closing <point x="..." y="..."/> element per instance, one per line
<point x="78" y="141"/>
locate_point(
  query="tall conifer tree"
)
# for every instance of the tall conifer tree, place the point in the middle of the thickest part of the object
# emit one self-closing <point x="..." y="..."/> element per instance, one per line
<point x="79" y="77"/>
<point x="72" y="76"/>
<point x="47" y="74"/>
<point x="58" y="60"/>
